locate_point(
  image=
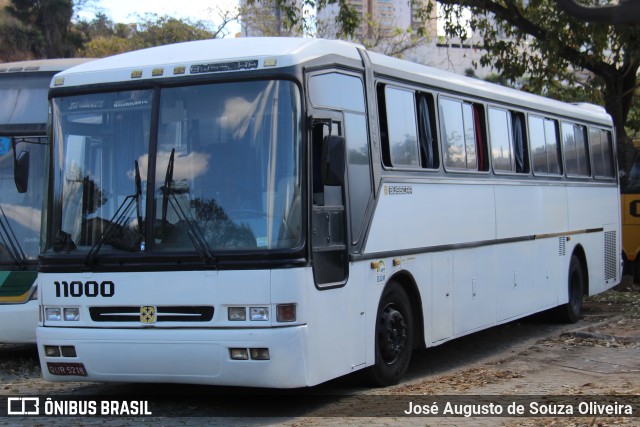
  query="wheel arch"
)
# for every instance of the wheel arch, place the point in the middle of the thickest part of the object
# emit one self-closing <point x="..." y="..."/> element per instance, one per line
<point x="406" y="280"/>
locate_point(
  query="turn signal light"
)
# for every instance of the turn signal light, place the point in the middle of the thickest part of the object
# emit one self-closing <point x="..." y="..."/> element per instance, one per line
<point x="286" y="312"/>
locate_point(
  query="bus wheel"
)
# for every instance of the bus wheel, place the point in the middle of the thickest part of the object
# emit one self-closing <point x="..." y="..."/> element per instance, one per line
<point x="571" y="311"/>
<point x="394" y="337"/>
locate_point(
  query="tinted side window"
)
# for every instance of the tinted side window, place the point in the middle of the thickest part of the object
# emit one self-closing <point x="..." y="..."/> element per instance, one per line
<point x="336" y="90"/>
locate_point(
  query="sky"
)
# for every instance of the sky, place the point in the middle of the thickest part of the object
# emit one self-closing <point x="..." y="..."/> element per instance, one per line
<point x="125" y="11"/>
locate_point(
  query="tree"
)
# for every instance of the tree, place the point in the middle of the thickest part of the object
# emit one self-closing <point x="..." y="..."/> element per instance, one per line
<point x="387" y="39"/>
<point x="558" y="53"/>
<point x="48" y="24"/>
<point x="104" y="38"/>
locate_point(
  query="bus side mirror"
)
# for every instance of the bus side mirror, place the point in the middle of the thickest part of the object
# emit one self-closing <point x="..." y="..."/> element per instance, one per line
<point x="333" y="160"/>
<point x="21" y="170"/>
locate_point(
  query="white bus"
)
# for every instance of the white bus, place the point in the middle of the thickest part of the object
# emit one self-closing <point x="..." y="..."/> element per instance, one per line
<point x="281" y="212"/>
<point x="23" y="124"/>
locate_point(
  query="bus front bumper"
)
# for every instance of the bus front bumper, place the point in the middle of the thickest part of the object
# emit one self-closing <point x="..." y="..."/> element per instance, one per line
<point x="193" y="356"/>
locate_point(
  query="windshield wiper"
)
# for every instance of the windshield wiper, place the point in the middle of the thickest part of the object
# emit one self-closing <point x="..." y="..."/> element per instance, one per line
<point x="194" y="233"/>
<point x="117" y="222"/>
<point x="11" y="242"/>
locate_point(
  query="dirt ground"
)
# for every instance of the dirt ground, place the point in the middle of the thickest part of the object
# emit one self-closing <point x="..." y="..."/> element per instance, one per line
<point x="600" y="355"/>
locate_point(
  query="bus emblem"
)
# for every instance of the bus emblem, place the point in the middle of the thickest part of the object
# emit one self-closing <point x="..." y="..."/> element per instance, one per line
<point x="148" y="314"/>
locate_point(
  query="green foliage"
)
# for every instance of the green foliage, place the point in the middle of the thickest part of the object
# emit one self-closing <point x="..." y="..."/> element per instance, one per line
<point x="104" y="38"/>
<point x="46" y="23"/>
<point x="556" y="54"/>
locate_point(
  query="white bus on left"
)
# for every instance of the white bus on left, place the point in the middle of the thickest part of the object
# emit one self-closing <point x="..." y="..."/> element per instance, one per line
<point x="24" y="108"/>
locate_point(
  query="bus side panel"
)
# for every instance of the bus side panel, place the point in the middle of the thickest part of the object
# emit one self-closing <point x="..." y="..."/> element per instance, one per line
<point x="431" y="214"/>
<point x="526" y="271"/>
<point x="440" y="309"/>
<point x="593" y="213"/>
<point x="335" y="321"/>
<point x="474" y="290"/>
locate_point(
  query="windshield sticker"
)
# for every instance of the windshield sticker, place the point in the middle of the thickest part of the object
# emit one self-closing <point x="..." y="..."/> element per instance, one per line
<point x="5" y="145"/>
<point x="381" y="272"/>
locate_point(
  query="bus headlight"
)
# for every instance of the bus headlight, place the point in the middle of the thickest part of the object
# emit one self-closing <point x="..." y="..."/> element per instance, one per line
<point x="72" y="314"/>
<point x="259" y="313"/>
<point x="53" y="313"/>
<point x="56" y="314"/>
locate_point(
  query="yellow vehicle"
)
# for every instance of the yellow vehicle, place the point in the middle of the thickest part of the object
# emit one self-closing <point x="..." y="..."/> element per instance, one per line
<point x="630" y="212"/>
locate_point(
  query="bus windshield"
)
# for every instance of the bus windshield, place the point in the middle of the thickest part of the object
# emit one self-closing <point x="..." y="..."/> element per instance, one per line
<point x="224" y="166"/>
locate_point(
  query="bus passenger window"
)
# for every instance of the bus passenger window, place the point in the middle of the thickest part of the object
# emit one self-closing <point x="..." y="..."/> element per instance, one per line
<point x="398" y="127"/>
<point x="602" y="153"/>
<point x="576" y="153"/>
<point x="508" y="146"/>
<point x="543" y="136"/>
<point x="463" y="140"/>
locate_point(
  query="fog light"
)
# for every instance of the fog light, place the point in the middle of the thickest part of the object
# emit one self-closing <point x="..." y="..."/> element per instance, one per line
<point x="239" y="353"/>
<point x="52" y="351"/>
<point x="72" y="314"/>
<point x="260" y="353"/>
<point x="259" y="313"/>
<point x="286" y="312"/>
<point x="53" y="313"/>
<point x="237" y="313"/>
<point x="68" y="351"/>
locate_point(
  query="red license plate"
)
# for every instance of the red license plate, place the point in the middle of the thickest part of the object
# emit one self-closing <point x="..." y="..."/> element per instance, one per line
<point x="60" y="368"/>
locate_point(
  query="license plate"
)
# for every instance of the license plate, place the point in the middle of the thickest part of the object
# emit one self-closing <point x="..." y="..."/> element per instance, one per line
<point x="60" y="368"/>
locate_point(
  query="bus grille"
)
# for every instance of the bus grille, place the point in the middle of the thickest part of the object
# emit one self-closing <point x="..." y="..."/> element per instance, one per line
<point x="163" y="314"/>
<point x="610" y="255"/>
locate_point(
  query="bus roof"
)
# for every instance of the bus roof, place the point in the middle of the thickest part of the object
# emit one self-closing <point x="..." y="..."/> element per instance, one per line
<point x="39" y="65"/>
<point x="238" y="54"/>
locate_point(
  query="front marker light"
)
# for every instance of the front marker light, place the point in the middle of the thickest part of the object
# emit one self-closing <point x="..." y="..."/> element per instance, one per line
<point x="72" y="314"/>
<point x="259" y="313"/>
<point x="53" y="313"/>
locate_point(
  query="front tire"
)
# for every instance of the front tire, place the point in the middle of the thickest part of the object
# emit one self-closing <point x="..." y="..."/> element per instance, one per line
<point x="394" y="337"/>
<point x="572" y="310"/>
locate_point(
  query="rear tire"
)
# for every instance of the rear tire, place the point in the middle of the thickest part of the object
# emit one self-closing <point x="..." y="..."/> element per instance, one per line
<point x="394" y="337"/>
<point x="572" y="310"/>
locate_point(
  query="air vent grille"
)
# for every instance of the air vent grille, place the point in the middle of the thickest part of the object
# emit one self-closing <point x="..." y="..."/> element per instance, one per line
<point x="610" y="267"/>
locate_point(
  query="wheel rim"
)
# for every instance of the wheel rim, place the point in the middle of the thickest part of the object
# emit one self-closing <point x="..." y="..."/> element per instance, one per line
<point x="392" y="334"/>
